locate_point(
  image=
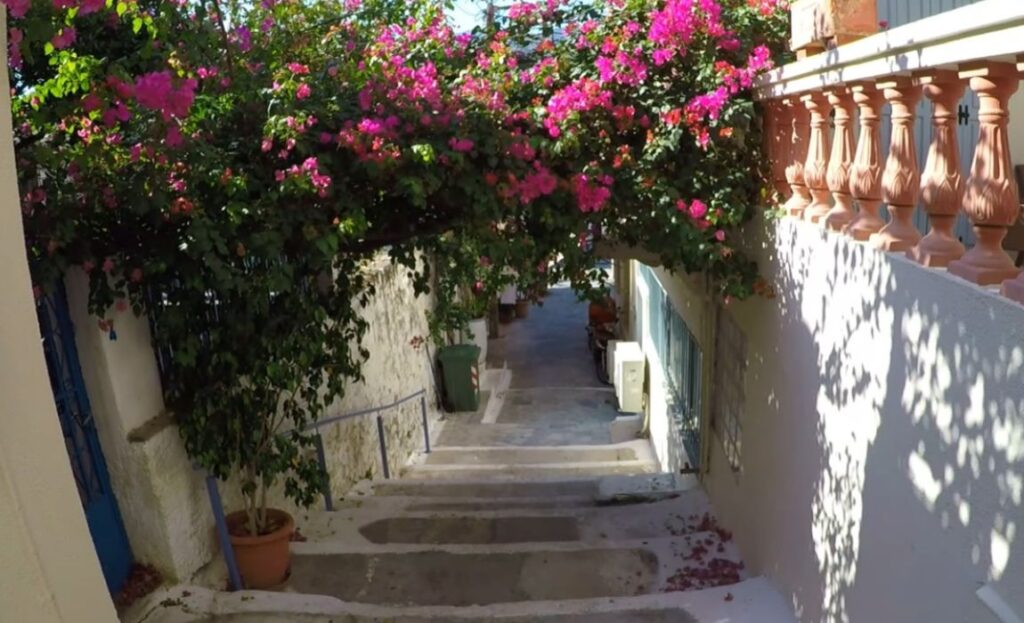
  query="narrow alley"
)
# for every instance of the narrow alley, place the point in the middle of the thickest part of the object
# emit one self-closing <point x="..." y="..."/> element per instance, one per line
<point x="526" y="510"/>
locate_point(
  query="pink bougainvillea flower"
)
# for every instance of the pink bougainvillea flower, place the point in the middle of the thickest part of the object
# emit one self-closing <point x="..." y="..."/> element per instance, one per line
<point x="156" y="91"/>
<point x="86" y="7"/>
<point x="298" y="69"/>
<point x="720" y="235"/>
<point x="136" y="275"/>
<point x="591" y="194"/>
<point x="91" y="102"/>
<point x="303" y="91"/>
<point x="64" y="38"/>
<point x="463" y="145"/>
<point x="174" y="138"/>
<point x="108" y="265"/>
<point x="17" y="8"/>
<point x="698" y="209"/>
<point x="14" y="37"/>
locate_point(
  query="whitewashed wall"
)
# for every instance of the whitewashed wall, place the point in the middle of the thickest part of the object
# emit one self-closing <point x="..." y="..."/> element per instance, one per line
<point x="882" y="467"/>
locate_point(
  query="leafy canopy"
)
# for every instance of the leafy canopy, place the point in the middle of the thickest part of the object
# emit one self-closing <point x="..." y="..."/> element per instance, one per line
<point x="231" y="167"/>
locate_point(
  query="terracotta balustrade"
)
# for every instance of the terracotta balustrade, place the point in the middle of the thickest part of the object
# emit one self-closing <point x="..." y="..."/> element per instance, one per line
<point x="840" y="161"/>
<point x="901" y="180"/>
<point x="839" y="176"/>
<point x="779" y="139"/>
<point x="816" y="164"/>
<point x="866" y="172"/>
<point x="991" y="199"/>
<point x="800" y="131"/>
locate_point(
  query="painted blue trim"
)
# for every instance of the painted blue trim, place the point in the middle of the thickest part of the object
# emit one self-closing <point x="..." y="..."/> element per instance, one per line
<point x="223" y="535"/>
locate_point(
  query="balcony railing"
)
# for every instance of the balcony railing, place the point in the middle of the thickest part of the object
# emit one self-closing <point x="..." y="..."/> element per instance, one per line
<point x="835" y="172"/>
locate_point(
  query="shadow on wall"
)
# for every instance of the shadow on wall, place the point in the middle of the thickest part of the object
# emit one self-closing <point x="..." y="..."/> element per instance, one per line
<point x="909" y="385"/>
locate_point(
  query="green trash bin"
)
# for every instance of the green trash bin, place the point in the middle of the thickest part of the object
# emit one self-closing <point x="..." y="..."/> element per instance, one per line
<point x="461" y="376"/>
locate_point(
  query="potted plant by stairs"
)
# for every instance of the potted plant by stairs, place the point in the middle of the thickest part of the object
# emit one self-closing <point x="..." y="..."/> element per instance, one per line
<point x="247" y="383"/>
<point x="522" y="307"/>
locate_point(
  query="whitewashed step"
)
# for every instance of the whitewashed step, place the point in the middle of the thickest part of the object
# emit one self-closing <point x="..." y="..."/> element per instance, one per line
<point x="528" y="472"/>
<point x="395" y="523"/>
<point x="753" y="600"/>
<point x="633" y="451"/>
<point x="578" y="489"/>
<point x="465" y="575"/>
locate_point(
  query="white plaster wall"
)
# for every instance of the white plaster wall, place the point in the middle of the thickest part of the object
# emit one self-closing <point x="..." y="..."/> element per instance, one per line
<point x="686" y="295"/>
<point x="50" y="571"/>
<point x="883" y="436"/>
<point x="161" y="498"/>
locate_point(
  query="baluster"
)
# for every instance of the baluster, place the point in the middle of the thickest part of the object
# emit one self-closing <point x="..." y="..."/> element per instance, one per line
<point x="841" y="160"/>
<point x="800" y="128"/>
<point x="990" y="199"/>
<point x="816" y="165"/>
<point x="901" y="181"/>
<point x="866" y="172"/>
<point x="781" y="129"/>
<point x="942" y="185"/>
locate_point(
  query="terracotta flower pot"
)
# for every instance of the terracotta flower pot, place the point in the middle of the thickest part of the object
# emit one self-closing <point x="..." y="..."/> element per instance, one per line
<point x="265" y="560"/>
<point x="506" y="313"/>
<point x="522" y="308"/>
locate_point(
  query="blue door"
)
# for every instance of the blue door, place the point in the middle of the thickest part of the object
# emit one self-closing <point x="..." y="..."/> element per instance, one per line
<point x="83" y="445"/>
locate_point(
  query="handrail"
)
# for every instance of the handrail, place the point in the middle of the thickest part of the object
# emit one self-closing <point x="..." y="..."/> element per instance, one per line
<point x="217" y="505"/>
<point x="348" y="416"/>
<point x="986" y="30"/>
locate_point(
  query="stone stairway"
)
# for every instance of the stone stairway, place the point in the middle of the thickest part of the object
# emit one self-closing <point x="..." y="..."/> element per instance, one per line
<point x="526" y="511"/>
<point x="563" y="534"/>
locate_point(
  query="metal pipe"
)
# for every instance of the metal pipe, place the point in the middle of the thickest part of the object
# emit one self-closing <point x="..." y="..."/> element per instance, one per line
<point x="348" y="416"/>
<point x="234" y="577"/>
<point x="426" y="424"/>
<point x="322" y="458"/>
<point x="383" y="447"/>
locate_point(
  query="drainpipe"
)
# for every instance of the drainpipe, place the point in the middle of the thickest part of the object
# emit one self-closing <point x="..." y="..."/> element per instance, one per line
<point x="709" y="332"/>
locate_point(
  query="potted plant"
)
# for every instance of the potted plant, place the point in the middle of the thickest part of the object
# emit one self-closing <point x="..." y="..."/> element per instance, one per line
<point x="247" y="384"/>
<point x="522" y="307"/>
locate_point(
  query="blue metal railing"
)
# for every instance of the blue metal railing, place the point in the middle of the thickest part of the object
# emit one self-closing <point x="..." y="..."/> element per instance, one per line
<point x="213" y="491"/>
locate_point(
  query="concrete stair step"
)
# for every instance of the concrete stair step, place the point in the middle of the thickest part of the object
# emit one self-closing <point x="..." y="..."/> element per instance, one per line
<point x="602" y="489"/>
<point x="638" y="450"/>
<point x="465" y="575"/>
<point x="752" y="600"/>
<point x="687" y="511"/>
<point x="528" y="472"/>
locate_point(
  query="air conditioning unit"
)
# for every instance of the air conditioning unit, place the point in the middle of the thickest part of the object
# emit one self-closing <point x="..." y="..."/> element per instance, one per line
<point x="628" y="368"/>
